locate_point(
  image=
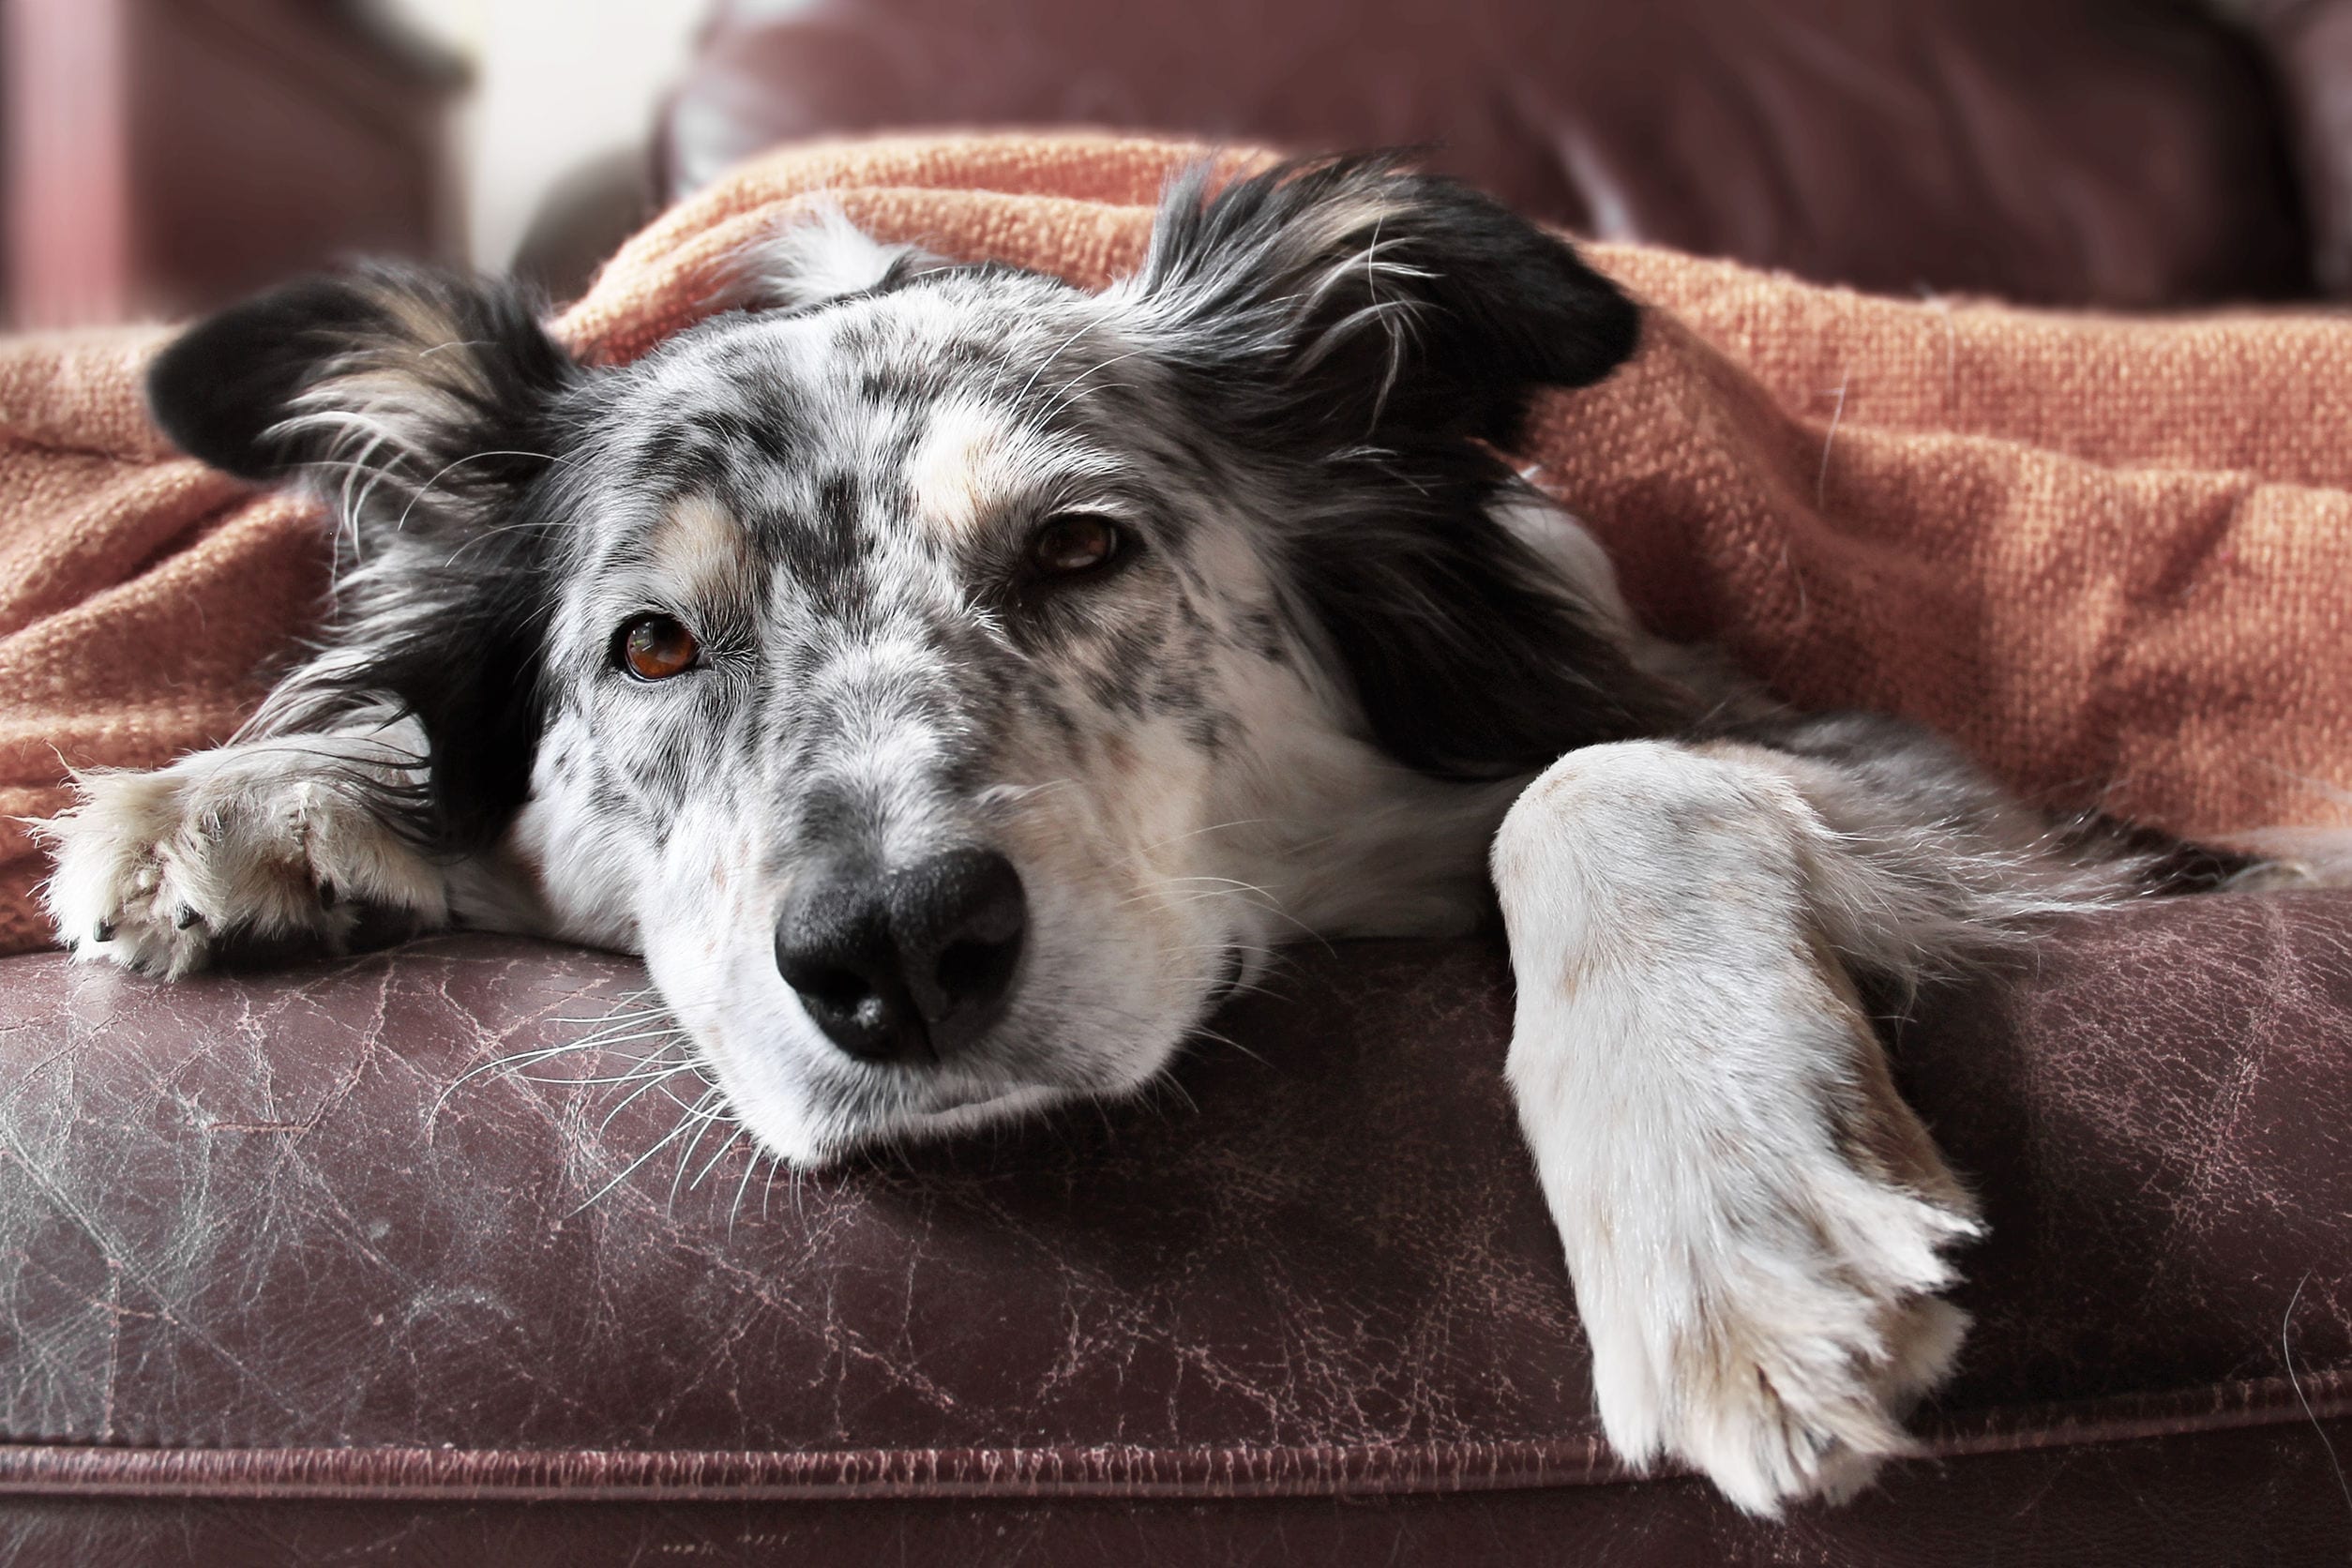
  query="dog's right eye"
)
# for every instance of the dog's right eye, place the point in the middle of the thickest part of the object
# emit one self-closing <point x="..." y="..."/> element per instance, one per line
<point x="655" y="647"/>
<point x="1069" y="544"/>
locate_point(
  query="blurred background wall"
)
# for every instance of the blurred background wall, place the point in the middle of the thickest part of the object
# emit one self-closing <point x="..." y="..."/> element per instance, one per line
<point x="561" y="88"/>
<point x="162" y="156"/>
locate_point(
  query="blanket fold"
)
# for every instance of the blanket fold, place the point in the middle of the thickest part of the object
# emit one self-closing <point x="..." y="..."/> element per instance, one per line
<point x="2106" y="556"/>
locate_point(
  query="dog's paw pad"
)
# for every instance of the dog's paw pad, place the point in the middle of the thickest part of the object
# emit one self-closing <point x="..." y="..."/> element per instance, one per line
<point x="1789" y="1422"/>
<point x="149" y="876"/>
<point x="1790" y="1370"/>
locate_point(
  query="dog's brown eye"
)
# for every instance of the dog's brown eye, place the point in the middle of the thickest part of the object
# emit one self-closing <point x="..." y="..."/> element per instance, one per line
<point x="655" y="647"/>
<point x="1073" y="542"/>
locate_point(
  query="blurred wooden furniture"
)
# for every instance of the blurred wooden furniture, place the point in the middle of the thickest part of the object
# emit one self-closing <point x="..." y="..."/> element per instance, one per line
<point x="163" y="155"/>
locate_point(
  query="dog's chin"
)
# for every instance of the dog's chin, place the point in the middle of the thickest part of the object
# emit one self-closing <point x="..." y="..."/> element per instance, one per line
<point x="811" y="1108"/>
<point x="966" y="1116"/>
<point x="812" y="1139"/>
<point x="945" y="1118"/>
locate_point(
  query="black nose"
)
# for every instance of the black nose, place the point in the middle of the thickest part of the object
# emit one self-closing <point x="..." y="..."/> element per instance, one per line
<point x="908" y="965"/>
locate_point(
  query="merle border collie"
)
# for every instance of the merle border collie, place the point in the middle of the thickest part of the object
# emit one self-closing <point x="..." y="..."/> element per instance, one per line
<point x="953" y="683"/>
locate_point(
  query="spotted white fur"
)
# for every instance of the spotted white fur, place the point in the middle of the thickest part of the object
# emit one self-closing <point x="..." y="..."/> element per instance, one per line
<point x="1341" y="640"/>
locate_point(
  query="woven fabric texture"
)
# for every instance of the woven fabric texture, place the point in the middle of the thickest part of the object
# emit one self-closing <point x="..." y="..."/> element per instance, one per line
<point x="2106" y="556"/>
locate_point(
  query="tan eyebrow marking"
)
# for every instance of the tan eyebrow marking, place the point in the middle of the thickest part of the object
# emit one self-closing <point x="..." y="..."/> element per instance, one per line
<point x="977" y="463"/>
<point x="965" y="466"/>
<point x="699" y="552"/>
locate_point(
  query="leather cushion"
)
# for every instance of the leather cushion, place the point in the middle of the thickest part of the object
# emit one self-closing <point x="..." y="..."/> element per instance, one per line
<point x="267" y="1235"/>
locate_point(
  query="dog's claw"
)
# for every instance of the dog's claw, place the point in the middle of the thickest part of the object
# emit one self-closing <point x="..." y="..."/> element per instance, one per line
<point x="102" y="931"/>
<point x="328" y="897"/>
<point x="184" y="917"/>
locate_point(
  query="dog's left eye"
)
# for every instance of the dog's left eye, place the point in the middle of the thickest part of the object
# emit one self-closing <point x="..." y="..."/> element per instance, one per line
<point x="1068" y="543"/>
<point x="655" y="647"/>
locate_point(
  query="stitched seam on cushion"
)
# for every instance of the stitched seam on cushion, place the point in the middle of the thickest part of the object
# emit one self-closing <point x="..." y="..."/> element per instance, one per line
<point x="1097" y="1471"/>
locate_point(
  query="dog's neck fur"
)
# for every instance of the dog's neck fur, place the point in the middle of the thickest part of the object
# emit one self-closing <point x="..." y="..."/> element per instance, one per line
<point x="1343" y="841"/>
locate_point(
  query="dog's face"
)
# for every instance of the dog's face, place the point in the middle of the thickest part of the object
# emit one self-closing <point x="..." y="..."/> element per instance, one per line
<point x="951" y="680"/>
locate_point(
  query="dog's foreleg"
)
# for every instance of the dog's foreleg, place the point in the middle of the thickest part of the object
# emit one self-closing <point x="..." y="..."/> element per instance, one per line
<point x="1755" y="1222"/>
<point x="279" y="838"/>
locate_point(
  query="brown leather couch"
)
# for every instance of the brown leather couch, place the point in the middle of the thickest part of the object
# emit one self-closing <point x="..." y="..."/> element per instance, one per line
<point x="289" y="1274"/>
<point x="2129" y="153"/>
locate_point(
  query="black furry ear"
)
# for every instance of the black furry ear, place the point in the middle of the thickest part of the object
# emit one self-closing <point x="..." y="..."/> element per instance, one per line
<point x="1368" y="338"/>
<point x="429" y="406"/>
<point x="402" y="362"/>
<point x="223" y="385"/>
<point x="1359" y="297"/>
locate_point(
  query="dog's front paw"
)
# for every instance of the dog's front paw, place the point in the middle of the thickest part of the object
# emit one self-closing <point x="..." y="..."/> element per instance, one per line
<point x="1776" y="1344"/>
<point x="155" y="870"/>
<point x="1756" y="1222"/>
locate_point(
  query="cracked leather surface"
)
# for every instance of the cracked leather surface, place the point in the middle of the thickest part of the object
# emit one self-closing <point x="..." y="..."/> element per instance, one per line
<point x="263" y="1236"/>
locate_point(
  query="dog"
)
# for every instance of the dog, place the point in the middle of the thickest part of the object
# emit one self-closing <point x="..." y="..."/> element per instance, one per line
<point x="953" y="683"/>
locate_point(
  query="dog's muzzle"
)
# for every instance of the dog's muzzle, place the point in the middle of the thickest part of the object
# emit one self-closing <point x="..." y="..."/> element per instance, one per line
<point x="908" y="965"/>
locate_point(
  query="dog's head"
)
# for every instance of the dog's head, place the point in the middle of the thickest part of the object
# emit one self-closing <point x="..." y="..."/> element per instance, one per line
<point x="951" y="679"/>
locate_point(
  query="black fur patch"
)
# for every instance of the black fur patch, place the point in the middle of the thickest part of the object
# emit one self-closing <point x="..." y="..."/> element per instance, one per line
<point x="2172" y="865"/>
<point x="220" y="387"/>
<point x="1374" y="335"/>
<point x="463" y="389"/>
<point x="1381" y="302"/>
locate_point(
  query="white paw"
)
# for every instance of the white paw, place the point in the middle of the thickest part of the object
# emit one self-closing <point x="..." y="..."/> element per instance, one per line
<point x="1755" y="1221"/>
<point x="1778" y="1350"/>
<point x="155" y="870"/>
